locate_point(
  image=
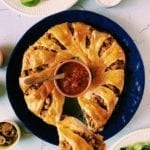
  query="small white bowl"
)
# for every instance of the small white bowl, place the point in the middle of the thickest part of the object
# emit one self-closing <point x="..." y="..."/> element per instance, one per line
<point x="108" y="3"/>
<point x="10" y="147"/>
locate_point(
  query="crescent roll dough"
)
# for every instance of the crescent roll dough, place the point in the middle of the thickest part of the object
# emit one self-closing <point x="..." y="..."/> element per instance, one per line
<point x="105" y="58"/>
<point x="74" y="135"/>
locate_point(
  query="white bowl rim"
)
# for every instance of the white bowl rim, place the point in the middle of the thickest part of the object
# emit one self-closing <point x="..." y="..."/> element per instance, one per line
<point x="107" y="6"/>
<point x="79" y="62"/>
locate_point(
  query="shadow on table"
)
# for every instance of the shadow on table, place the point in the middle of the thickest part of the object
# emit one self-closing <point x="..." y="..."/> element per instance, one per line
<point x="127" y="3"/>
<point x="79" y="5"/>
<point x="25" y="133"/>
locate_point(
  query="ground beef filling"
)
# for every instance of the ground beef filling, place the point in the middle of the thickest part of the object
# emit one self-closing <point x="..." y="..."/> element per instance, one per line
<point x="34" y="70"/>
<point x="90" y="121"/>
<point x="64" y="145"/>
<point x="56" y="41"/>
<point x="105" y="46"/>
<point x="119" y="64"/>
<point x="99" y="100"/>
<point x="113" y="88"/>
<point x="91" y="139"/>
<point x="32" y="88"/>
<point x="46" y="105"/>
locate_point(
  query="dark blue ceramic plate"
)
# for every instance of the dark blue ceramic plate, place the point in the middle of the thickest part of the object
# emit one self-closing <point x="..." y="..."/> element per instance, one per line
<point x="134" y="79"/>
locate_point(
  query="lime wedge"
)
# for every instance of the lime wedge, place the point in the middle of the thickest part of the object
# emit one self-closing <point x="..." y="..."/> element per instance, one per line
<point x="30" y="3"/>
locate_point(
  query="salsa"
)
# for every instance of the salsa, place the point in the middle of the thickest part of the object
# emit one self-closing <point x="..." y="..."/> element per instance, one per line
<point x="76" y="78"/>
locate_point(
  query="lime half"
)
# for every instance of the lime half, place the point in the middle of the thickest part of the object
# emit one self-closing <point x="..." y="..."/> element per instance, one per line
<point x="30" y="3"/>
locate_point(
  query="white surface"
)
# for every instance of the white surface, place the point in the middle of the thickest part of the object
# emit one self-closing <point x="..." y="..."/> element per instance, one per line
<point x="108" y="3"/>
<point x="44" y="8"/>
<point x="139" y="136"/>
<point x="132" y="15"/>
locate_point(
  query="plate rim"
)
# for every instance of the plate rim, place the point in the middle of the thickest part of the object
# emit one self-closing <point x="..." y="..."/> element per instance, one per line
<point x="91" y="13"/>
<point x="35" y="15"/>
<point x="129" y="135"/>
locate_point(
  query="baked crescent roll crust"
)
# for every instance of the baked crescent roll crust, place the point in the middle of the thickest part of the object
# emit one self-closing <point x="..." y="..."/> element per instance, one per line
<point x="97" y="106"/>
<point x="105" y="58"/>
<point x="74" y="135"/>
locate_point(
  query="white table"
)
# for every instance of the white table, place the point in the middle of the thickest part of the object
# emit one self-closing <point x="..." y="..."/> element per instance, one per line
<point x="132" y="15"/>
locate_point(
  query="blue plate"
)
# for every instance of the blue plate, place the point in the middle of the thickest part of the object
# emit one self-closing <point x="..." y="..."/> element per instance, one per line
<point x="134" y="74"/>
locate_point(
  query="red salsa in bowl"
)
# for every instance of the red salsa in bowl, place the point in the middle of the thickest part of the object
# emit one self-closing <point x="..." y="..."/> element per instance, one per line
<point x="76" y="80"/>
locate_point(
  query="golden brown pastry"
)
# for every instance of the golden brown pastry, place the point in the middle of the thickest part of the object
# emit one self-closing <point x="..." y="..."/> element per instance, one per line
<point x="74" y="135"/>
<point x="107" y="66"/>
<point x="106" y="60"/>
<point x="41" y="97"/>
<point x="97" y="106"/>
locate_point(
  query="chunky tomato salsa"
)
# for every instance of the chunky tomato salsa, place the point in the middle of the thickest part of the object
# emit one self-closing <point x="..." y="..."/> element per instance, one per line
<point x="76" y="78"/>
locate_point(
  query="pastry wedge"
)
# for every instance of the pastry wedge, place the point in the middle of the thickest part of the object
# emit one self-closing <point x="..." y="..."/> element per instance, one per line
<point x="74" y="135"/>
